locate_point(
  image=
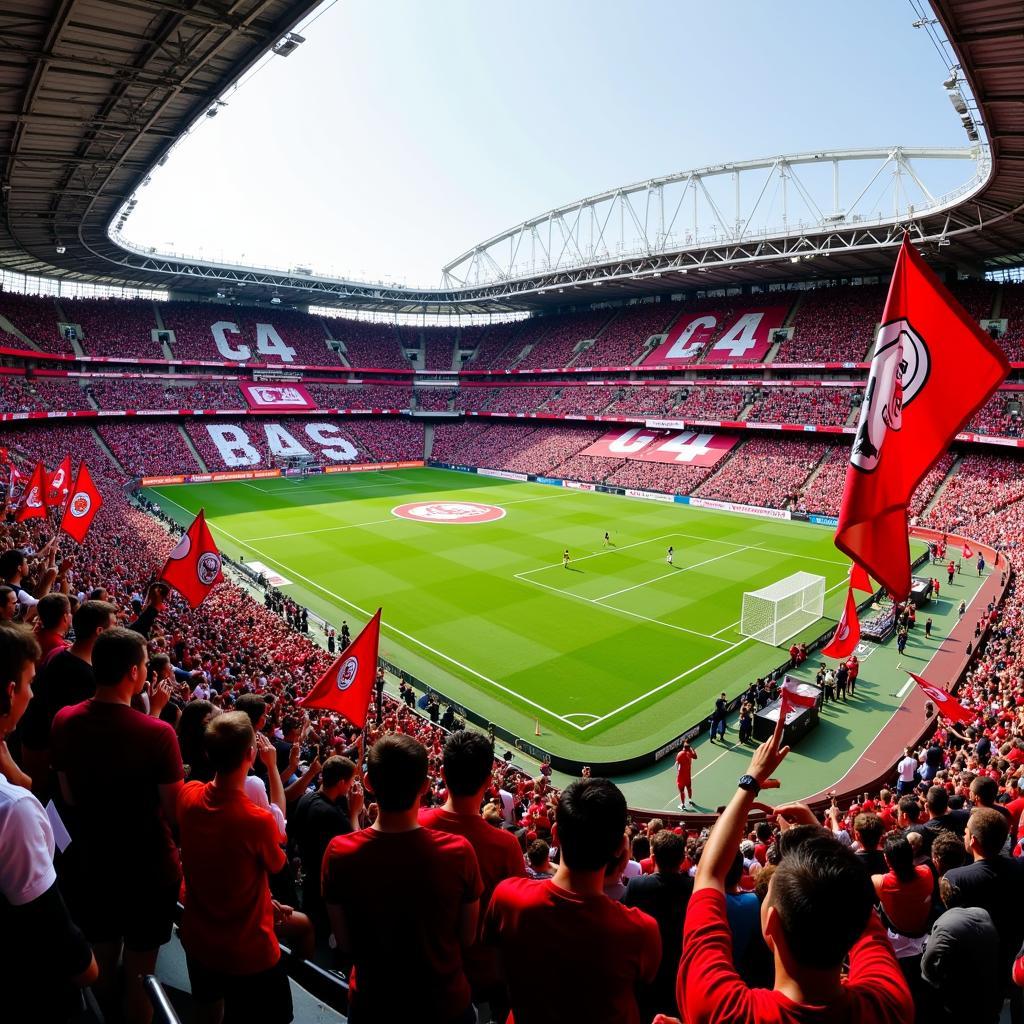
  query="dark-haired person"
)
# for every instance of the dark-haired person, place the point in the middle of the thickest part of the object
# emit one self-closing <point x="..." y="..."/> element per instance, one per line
<point x="940" y="817"/>
<point x="868" y="830"/>
<point x="120" y="774"/>
<point x="44" y="959"/>
<point x="331" y="810"/>
<point x="403" y="900"/>
<point x="816" y="915"/>
<point x="467" y="762"/>
<point x="8" y="604"/>
<point x="663" y="895"/>
<point x="53" y="620"/>
<point x="602" y="949"/>
<point x="229" y="848"/>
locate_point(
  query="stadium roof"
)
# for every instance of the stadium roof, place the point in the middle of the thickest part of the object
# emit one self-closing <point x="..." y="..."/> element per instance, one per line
<point x="93" y="94"/>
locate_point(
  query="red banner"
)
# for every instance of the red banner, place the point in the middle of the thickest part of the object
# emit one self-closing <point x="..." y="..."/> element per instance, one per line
<point x="679" y="447"/>
<point x="278" y="397"/>
<point x="741" y="336"/>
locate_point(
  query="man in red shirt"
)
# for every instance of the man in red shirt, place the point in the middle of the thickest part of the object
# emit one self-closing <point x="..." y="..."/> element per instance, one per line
<point x="403" y="900"/>
<point x="684" y="769"/>
<point x="120" y="774"/>
<point x="602" y="949"/>
<point x="229" y="848"/>
<point x="818" y="910"/>
<point x="468" y="761"/>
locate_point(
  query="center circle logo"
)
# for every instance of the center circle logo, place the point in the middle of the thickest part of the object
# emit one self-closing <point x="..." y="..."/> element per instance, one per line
<point x="347" y="673"/>
<point x="208" y="568"/>
<point x="449" y="512"/>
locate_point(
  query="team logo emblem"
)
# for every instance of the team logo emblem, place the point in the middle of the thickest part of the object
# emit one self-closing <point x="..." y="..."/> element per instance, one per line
<point x="208" y="567"/>
<point x="899" y="369"/>
<point x="449" y="512"/>
<point x="34" y="499"/>
<point x="347" y="673"/>
<point x="57" y="482"/>
<point x="937" y="695"/>
<point x="80" y="505"/>
<point x="842" y="630"/>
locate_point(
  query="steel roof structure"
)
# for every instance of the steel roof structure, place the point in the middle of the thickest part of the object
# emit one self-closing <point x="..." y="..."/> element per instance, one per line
<point x="94" y="93"/>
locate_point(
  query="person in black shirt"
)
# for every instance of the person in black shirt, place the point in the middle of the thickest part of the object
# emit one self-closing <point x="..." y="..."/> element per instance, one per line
<point x="940" y="817"/>
<point x="332" y="810"/>
<point x="718" y="718"/>
<point x="663" y="895"/>
<point x="868" y="830"/>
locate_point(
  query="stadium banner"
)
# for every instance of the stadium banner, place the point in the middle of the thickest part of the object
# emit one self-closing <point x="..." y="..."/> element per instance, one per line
<point x="277" y="397"/>
<point x="746" y="510"/>
<point x="502" y="474"/>
<point x="207" y="478"/>
<point x="605" y="489"/>
<point x="554" y="481"/>
<point x="824" y="520"/>
<point x="742" y="335"/>
<point x="675" y="447"/>
<point x="577" y="485"/>
<point x="356" y="467"/>
<point x="632" y="492"/>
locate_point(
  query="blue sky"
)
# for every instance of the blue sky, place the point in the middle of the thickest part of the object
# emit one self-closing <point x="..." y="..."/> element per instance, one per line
<point x="402" y="132"/>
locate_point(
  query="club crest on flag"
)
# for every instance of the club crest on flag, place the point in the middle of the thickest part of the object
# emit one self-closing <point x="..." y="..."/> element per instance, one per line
<point x="347" y="673"/>
<point x="208" y="568"/>
<point x="80" y="505"/>
<point x="34" y="498"/>
<point x="899" y="368"/>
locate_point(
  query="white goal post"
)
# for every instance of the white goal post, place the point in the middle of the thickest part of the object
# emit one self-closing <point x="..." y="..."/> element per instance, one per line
<point x="778" y="612"/>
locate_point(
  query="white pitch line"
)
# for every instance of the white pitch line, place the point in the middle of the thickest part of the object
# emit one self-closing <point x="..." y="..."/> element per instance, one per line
<point x="674" y="572"/>
<point x="906" y="686"/>
<point x="326" y="529"/>
<point x="621" y="611"/>
<point x="598" y="554"/>
<point x="841" y="583"/>
<point x="392" y="629"/>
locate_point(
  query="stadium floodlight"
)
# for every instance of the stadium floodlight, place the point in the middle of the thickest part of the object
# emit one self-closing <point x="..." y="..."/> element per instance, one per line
<point x="776" y="613"/>
<point x="956" y="97"/>
<point x="289" y="44"/>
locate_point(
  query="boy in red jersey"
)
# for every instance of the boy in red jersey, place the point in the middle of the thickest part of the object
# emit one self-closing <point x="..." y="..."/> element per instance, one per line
<point x="403" y="900"/>
<point x="229" y="848"/>
<point x="602" y="948"/>
<point x="684" y="773"/>
<point x="818" y="910"/>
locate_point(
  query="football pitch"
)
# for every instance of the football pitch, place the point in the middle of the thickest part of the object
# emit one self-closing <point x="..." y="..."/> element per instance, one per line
<point x="612" y="656"/>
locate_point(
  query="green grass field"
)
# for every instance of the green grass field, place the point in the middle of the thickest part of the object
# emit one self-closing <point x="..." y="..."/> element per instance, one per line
<point x="614" y="655"/>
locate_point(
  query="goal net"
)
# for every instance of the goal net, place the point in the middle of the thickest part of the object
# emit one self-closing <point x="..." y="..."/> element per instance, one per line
<point x="778" y="612"/>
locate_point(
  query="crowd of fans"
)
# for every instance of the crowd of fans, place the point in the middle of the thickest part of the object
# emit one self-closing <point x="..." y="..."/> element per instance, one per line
<point x="824" y="406"/>
<point x="36" y="318"/>
<point x="998" y="418"/>
<point x="360" y="396"/>
<point x="143" y="448"/>
<point x="368" y="344"/>
<point x="834" y="325"/>
<point x="435" y="399"/>
<point x="623" y="341"/>
<point x="554" y="339"/>
<point x="114" y="327"/>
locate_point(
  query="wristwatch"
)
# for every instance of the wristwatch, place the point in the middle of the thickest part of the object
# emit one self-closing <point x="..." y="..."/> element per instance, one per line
<point x="750" y="784"/>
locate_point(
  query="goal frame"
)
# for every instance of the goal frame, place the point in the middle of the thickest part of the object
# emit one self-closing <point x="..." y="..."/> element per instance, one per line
<point x="776" y="613"/>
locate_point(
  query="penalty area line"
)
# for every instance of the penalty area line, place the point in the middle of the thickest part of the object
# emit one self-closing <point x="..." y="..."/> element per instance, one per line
<point x="392" y="629"/>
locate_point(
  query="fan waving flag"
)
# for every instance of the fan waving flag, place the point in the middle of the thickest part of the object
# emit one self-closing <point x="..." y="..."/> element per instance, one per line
<point x="60" y="481"/>
<point x="931" y="370"/>
<point x="85" y="502"/>
<point x="945" y="703"/>
<point x="33" y="501"/>
<point x="194" y="565"/>
<point x="793" y="697"/>
<point x="847" y="635"/>
<point x="346" y="687"/>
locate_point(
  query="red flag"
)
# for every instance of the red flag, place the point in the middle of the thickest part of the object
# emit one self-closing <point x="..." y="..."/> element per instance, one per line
<point x="932" y="369"/>
<point x="967" y="553"/>
<point x="945" y="704"/>
<point x="33" y="501"/>
<point x="847" y="635"/>
<point x="85" y="502"/>
<point x="346" y="687"/>
<point x="859" y="579"/>
<point x="194" y="565"/>
<point x="794" y="697"/>
<point x="59" y="482"/>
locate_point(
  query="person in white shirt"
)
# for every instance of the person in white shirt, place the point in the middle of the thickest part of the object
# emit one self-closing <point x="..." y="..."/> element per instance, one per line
<point x="40" y="946"/>
<point x="907" y="769"/>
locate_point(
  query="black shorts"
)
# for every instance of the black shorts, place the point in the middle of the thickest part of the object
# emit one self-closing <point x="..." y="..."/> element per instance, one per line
<point x="139" y="915"/>
<point x="265" y="996"/>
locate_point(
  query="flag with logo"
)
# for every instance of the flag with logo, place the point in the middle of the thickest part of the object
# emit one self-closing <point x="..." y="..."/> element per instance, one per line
<point x="931" y="370"/>
<point x="945" y="703"/>
<point x="59" y="483"/>
<point x="82" y="506"/>
<point x="793" y="697"/>
<point x="194" y="565"/>
<point x="346" y="687"/>
<point x="33" y="501"/>
<point x="847" y="635"/>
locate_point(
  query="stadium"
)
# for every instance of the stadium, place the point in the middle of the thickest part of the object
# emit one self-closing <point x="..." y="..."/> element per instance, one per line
<point x="593" y="481"/>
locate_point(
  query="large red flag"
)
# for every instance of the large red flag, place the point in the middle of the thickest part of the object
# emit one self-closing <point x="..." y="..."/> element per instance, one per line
<point x="194" y="565"/>
<point x="346" y="687"/>
<point x="82" y="508"/>
<point x="932" y="369"/>
<point x="860" y="580"/>
<point x="33" y="501"/>
<point x="945" y="703"/>
<point x="847" y="635"/>
<point x="59" y="482"/>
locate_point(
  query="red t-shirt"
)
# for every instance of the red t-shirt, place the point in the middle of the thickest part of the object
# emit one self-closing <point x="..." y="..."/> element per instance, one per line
<point x="601" y="949"/>
<point x="709" y="990"/>
<point x="684" y="765"/>
<point x="499" y="856"/>
<point x="114" y="758"/>
<point x="402" y="895"/>
<point x="229" y="846"/>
